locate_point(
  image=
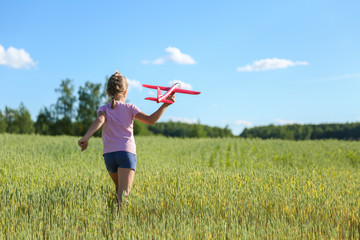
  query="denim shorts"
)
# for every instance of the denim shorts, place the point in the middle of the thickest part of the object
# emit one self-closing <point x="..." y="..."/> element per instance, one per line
<point x="120" y="159"/>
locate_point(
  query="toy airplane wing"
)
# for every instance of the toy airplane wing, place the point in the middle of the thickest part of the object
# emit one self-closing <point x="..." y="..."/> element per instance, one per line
<point x="176" y="90"/>
<point x="156" y="87"/>
<point x="179" y="90"/>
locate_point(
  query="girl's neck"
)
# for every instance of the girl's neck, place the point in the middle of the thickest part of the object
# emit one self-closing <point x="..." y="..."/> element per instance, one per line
<point x="120" y="98"/>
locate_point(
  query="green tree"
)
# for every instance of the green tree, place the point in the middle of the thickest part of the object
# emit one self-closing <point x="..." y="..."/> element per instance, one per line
<point x="18" y="120"/>
<point x="63" y="126"/>
<point x="90" y="99"/>
<point x="26" y="125"/>
<point x="104" y="93"/>
<point x="65" y="103"/>
<point x="45" y="122"/>
<point x="85" y="115"/>
<point x="11" y="117"/>
<point x="197" y="131"/>
<point x="3" y="124"/>
<point x="65" y="107"/>
<point x="141" y="129"/>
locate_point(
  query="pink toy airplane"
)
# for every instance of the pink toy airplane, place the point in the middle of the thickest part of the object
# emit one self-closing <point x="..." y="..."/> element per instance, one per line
<point x="176" y="88"/>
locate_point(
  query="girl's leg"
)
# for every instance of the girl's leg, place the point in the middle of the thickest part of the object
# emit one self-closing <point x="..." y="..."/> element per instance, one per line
<point x="125" y="180"/>
<point x="114" y="177"/>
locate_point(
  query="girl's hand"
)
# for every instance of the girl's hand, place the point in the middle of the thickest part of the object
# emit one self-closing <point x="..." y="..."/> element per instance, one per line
<point x="171" y="97"/>
<point x="83" y="143"/>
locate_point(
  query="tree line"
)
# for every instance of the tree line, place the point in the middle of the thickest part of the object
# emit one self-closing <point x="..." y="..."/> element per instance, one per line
<point x="73" y="115"/>
<point x="341" y="131"/>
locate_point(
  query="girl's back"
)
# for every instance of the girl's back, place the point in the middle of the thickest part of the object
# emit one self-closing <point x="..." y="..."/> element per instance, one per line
<point x="117" y="133"/>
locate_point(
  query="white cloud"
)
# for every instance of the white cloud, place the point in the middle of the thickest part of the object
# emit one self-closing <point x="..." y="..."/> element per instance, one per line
<point x="174" y="55"/>
<point x="134" y="84"/>
<point x="184" y="120"/>
<point x="334" y="78"/>
<point x="244" y="123"/>
<point x="184" y="85"/>
<point x="268" y="64"/>
<point x="285" y="122"/>
<point x="15" y="58"/>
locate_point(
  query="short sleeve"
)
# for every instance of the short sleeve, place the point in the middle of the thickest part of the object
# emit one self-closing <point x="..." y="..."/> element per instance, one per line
<point x="101" y="109"/>
<point x="134" y="110"/>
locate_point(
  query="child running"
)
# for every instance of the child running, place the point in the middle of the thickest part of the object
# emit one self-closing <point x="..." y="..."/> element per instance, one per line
<point x="117" y="134"/>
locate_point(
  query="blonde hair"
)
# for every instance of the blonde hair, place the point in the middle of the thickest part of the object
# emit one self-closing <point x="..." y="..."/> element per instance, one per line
<point x="117" y="85"/>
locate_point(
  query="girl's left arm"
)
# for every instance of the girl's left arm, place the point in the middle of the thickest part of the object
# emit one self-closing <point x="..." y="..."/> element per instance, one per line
<point x="98" y="122"/>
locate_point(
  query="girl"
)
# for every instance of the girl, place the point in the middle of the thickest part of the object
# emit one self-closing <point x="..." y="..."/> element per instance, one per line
<point x="117" y="134"/>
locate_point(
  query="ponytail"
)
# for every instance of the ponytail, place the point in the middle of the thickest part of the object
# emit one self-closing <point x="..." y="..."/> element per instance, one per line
<point x="113" y="102"/>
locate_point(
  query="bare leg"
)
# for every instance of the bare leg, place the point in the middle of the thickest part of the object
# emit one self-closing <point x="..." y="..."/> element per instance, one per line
<point x="125" y="180"/>
<point x="114" y="177"/>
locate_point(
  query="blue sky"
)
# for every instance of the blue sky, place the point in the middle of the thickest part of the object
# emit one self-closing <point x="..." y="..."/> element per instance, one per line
<point x="255" y="62"/>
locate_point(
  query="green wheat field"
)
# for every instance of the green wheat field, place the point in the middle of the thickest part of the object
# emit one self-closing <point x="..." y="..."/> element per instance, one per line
<point x="228" y="188"/>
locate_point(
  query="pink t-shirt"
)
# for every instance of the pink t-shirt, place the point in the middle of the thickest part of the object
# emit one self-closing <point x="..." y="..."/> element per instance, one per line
<point x="117" y="133"/>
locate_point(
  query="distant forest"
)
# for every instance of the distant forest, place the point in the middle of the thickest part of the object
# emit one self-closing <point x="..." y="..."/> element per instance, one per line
<point x="341" y="131"/>
<point x="73" y="115"/>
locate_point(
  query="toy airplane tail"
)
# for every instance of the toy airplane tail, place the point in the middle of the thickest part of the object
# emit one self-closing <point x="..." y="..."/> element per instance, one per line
<point x="158" y="93"/>
<point x="158" y="96"/>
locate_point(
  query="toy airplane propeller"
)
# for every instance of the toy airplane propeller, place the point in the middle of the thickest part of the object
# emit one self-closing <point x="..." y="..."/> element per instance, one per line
<point x="176" y="88"/>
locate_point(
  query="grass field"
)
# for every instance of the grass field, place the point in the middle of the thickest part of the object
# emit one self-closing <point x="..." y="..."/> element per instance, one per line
<point x="183" y="189"/>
